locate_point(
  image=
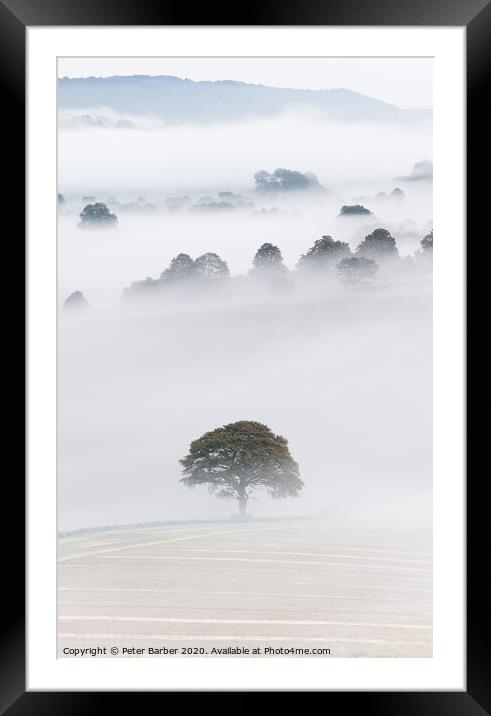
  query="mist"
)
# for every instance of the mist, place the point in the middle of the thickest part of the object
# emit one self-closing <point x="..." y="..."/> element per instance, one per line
<point x="344" y="375"/>
<point x="102" y="263"/>
<point x="225" y="156"/>
<point x="260" y="258"/>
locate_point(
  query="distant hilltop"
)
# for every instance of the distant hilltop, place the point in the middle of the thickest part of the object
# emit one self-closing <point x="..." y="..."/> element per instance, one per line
<point x="174" y="100"/>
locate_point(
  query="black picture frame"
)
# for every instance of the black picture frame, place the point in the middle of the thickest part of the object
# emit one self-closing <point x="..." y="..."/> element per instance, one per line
<point x="15" y="17"/>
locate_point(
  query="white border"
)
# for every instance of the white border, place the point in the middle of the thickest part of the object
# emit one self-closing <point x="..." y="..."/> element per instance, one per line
<point x="445" y="671"/>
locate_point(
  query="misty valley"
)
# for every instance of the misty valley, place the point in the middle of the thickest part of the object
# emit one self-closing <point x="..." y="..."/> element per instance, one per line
<point x="245" y="359"/>
<point x="293" y="307"/>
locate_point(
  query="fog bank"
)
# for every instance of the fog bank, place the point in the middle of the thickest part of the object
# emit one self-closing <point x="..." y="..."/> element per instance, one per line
<point x="346" y="378"/>
<point x="226" y="156"/>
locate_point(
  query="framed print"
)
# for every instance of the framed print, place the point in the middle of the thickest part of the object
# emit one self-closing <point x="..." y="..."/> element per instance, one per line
<point x="245" y="359"/>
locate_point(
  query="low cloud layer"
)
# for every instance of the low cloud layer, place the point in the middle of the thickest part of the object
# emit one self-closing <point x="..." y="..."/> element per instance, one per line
<point x="225" y="157"/>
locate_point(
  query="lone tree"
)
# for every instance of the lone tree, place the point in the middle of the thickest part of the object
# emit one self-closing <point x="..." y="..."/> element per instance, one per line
<point x="237" y="459"/>
<point x="325" y="253"/>
<point x="356" y="270"/>
<point x="97" y="215"/>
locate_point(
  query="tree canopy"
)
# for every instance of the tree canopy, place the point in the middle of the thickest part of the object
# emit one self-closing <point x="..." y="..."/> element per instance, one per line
<point x="268" y="261"/>
<point x="97" y="215"/>
<point x="378" y="245"/>
<point x="322" y="262"/>
<point x="181" y="272"/>
<point x="354" y="210"/>
<point x="181" y="267"/>
<point x="211" y="267"/>
<point x="427" y="243"/>
<point x="355" y="270"/>
<point x="397" y="194"/>
<point x="325" y="252"/>
<point x="141" y="288"/>
<point x="239" y="458"/>
<point x="285" y="180"/>
<point x="76" y="300"/>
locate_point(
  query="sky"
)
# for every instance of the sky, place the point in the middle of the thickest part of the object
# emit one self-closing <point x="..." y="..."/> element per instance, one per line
<point x="403" y="81"/>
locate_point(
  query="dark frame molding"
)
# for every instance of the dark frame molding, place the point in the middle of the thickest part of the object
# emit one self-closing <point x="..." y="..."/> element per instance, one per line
<point x="15" y="16"/>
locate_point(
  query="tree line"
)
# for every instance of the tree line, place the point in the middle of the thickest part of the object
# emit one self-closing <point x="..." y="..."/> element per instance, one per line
<point x="327" y="257"/>
<point x="377" y="249"/>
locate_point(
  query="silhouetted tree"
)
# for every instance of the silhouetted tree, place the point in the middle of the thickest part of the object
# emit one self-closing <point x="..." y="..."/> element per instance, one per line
<point x="427" y="243"/>
<point x="236" y="459"/>
<point x="76" y="301"/>
<point x="182" y="267"/>
<point x="355" y="270"/>
<point x="140" y="289"/>
<point x="325" y="253"/>
<point x="97" y="215"/>
<point x="378" y="245"/>
<point x="267" y="262"/>
<point x="354" y="210"/>
<point x="397" y="194"/>
<point x="211" y="267"/>
<point x="285" y="180"/>
<point x="288" y="179"/>
<point x="61" y="199"/>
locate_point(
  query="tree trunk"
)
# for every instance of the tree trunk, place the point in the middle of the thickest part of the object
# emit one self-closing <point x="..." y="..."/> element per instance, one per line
<point x="242" y="505"/>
